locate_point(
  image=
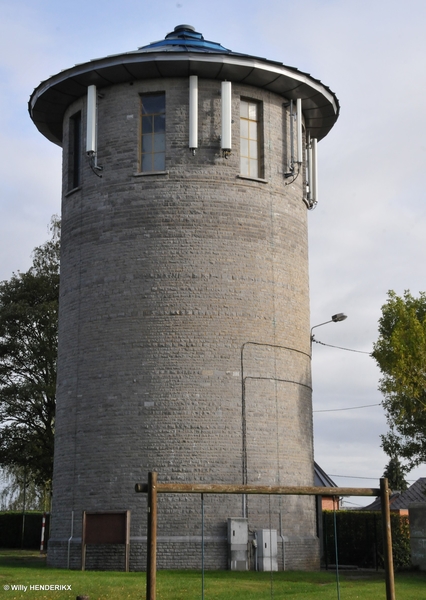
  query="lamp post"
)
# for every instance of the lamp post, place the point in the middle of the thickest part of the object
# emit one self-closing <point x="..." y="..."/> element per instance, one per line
<point x="334" y="319"/>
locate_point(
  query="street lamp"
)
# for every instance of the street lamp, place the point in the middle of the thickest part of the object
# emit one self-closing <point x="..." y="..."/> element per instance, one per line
<point x="334" y="319"/>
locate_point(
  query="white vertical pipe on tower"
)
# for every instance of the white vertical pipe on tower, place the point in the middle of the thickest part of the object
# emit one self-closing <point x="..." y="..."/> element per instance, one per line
<point x="309" y="166"/>
<point x="314" y="170"/>
<point x="193" y="112"/>
<point x="226" y="138"/>
<point x="291" y="135"/>
<point x="91" y="120"/>
<point x="299" y="130"/>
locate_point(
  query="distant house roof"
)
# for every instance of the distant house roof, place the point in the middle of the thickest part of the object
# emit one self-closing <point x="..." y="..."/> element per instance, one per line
<point x="402" y="500"/>
<point x="321" y="478"/>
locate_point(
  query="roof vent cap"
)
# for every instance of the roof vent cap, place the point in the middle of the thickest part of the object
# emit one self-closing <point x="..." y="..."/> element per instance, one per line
<point x="184" y="32"/>
<point x="184" y="28"/>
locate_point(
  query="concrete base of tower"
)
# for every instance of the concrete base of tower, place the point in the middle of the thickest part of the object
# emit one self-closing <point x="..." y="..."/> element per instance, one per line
<point x="64" y="554"/>
<point x="298" y="553"/>
<point x="180" y="552"/>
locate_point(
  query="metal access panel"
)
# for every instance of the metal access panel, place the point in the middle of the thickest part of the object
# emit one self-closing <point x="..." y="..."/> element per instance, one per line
<point x="238" y="544"/>
<point x="267" y="550"/>
<point x="237" y="531"/>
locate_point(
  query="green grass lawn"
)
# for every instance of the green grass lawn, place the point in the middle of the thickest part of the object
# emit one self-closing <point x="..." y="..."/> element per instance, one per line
<point x="23" y="568"/>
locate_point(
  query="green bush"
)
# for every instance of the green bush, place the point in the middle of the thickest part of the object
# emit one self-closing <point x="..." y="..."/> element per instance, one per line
<point x="401" y="541"/>
<point x="11" y="529"/>
<point x="360" y="539"/>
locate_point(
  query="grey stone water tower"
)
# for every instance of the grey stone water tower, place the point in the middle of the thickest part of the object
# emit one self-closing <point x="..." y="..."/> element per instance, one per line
<point x="188" y="172"/>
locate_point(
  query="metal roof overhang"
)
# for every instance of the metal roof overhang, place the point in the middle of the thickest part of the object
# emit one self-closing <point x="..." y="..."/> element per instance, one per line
<point x="51" y="98"/>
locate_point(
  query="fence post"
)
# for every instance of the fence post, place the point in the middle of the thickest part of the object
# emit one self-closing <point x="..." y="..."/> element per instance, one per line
<point x="151" y="566"/>
<point x="43" y="527"/>
<point x="387" y="539"/>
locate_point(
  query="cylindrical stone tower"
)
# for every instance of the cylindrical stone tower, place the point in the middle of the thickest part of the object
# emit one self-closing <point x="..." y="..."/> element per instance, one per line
<point x="184" y="343"/>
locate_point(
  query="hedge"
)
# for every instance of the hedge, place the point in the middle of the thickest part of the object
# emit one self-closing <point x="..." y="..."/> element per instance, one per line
<point x="360" y="539"/>
<point x="11" y="529"/>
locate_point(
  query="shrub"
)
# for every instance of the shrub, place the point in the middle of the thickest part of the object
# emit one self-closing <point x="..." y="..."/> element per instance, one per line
<point x="11" y="529"/>
<point x="360" y="539"/>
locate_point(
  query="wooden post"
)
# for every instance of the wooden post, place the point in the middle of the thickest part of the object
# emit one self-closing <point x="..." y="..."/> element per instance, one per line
<point x="151" y="557"/>
<point x="127" y="546"/>
<point x="387" y="539"/>
<point x="221" y="488"/>
<point x="83" y="543"/>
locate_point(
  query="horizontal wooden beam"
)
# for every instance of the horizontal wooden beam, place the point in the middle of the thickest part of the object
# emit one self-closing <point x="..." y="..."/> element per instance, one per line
<point x="217" y="488"/>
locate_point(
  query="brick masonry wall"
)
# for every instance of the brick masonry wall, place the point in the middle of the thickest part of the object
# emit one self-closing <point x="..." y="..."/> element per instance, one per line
<point x="166" y="280"/>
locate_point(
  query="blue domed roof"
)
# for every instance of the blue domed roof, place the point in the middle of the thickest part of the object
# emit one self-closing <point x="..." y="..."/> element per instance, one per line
<point x="184" y="37"/>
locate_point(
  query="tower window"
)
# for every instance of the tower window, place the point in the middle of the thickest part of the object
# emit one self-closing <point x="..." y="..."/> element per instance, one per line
<point x="250" y="137"/>
<point x="153" y="145"/>
<point x="74" y="151"/>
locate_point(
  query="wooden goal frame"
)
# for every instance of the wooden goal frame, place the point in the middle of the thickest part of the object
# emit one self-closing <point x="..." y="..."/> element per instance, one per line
<point x="153" y="488"/>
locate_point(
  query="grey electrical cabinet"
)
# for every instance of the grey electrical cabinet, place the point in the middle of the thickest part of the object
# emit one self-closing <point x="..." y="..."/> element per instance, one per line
<point x="267" y="550"/>
<point x="238" y="544"/>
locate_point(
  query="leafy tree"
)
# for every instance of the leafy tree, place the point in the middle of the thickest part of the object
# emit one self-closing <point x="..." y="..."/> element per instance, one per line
<point x="28" y="348"/>
<point x="19" y="490"/>
<point x="395" y="472"/>
<point x="400" y="353"/>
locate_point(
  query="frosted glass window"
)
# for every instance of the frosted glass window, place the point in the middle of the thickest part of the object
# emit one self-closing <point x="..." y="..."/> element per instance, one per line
<point x="74" y="151"/>
<point x="250" y="139"/>
<point x="153" y="145"/>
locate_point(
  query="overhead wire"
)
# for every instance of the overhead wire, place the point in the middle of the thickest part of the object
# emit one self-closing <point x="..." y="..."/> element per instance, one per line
<point x="358" y="477"/>
<point x="340" y="347"/>
<point x="348" y="408"/>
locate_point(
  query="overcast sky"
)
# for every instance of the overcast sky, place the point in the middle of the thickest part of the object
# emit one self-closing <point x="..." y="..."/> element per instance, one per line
<point x="367" y="234"/>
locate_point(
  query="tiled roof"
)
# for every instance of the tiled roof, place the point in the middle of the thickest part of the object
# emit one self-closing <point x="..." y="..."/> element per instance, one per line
<point x="321" y="477"/>
<point x="402" y="500"/>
